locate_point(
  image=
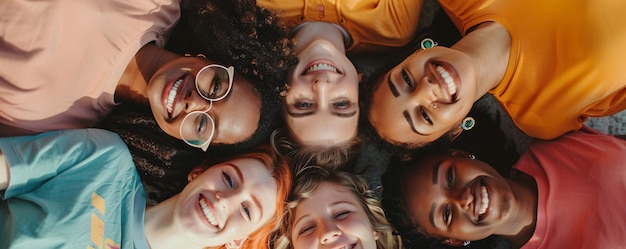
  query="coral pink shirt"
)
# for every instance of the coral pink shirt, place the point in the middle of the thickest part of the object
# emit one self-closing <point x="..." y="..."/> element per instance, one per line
<point x="60" y="60"/>
<point x="581" y="182"/>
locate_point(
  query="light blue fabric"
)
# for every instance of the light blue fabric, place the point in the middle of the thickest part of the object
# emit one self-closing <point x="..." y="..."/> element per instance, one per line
<point x="71" y="189"/>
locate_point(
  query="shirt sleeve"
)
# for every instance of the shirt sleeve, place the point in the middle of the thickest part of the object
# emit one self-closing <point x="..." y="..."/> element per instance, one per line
<point x="33" y="160"/>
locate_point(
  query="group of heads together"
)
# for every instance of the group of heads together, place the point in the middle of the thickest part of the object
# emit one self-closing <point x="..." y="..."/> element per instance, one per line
<point x="255" y="200"/>
<point x="202" y="102"/>
<point x="425" y="97"/>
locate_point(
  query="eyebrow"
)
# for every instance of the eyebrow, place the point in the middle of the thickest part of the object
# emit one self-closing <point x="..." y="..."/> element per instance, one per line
<point x="432" y="214"/>
<point x="407" y="116"/>
<point x="254" y="199"/>
<point x="392" y="87"/>
<point x="436" y="172"/>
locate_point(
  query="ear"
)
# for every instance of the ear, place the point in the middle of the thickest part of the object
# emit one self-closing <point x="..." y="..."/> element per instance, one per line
<point x="195" y="172"/>
<point x="455" y="132"/>
<point x="360" y="75"/>
<point x="376" y="235"/>
<point x="236" y="244"/>
<point x="453" y="242"/>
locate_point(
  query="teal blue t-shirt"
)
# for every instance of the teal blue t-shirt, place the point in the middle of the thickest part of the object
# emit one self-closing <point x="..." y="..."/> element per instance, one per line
<point x="71" y="189"/>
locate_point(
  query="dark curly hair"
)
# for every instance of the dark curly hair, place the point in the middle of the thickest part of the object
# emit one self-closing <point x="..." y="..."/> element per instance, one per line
<point x="238" y="33"/>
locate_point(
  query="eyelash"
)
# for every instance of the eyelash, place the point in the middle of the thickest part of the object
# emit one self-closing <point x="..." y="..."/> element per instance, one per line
<point x="338" y="216"/>
<point x="447" y="211"/>
<point x="342" y="104"/>
<point x="407" y="80"/>
<point x="301" y="105"/>
<point x="228" y="180"/>
<point x="247" y="211"/>
<point x="425" y="116"/>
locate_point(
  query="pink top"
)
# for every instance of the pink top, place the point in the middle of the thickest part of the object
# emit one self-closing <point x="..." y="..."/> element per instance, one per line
<point x="581" y="178"/>
<point x="60" y="61"/>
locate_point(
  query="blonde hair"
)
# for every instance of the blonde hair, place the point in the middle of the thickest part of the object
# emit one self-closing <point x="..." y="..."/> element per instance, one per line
<point x="308" y="180"/>
<point x="302" y="156"/>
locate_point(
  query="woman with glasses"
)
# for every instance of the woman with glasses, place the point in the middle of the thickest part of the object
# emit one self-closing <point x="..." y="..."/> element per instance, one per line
<point x="79" y="189"/>
<point x="87" y="58"/>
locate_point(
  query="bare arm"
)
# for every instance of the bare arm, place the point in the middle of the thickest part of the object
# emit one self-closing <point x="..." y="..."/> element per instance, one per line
<point x="4" y="172"/>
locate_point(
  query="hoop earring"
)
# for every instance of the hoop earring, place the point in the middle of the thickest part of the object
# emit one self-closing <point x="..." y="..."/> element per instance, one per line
<point x="428" y="43"/>
<point x="468" y="123"/>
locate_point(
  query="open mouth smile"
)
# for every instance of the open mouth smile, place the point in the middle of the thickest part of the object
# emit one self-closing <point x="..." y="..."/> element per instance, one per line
<point x="481" y="201"/>
<point x="320" y="67"/>
<point x="208" y="211"/>
<point x="171" y="97"/>
<point x="448" y="79"/>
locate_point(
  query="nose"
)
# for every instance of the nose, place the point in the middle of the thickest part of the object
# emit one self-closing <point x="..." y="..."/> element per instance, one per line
<point x="330" y="232"/>
<point x="465" y="199"/>
<point x="426" y="92"/>
<point x="195" y="102"/>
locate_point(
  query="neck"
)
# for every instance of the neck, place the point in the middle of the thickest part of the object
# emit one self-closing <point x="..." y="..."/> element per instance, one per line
<point x="318" y="31"/>
<point x="159" y="226"/>
<point x="133" y="85"/>
<point x="525" y="219"/>
<point x="490" y="47"/>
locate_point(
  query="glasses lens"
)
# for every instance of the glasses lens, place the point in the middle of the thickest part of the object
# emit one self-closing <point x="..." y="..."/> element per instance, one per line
<point x="213" y="82"/>
<point x="197" y="129"/>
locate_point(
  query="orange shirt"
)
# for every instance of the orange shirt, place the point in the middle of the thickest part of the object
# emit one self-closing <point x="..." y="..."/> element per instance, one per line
<point x="373" y="24"/>
<point x="60" y="61"/>
<point x="567" y="62"/>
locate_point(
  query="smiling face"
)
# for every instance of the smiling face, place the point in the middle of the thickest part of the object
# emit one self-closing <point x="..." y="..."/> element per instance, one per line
<point x="424" y="97"/>
<point x="228" y="201"/>
<point x="321" y="107"/>
<point x="332" y="218"/>
<point x="459" y="198"/>
<point x="172" y="94"/>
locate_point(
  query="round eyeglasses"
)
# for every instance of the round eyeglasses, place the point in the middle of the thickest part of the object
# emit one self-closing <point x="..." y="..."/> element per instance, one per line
<point x="213" y="83"/>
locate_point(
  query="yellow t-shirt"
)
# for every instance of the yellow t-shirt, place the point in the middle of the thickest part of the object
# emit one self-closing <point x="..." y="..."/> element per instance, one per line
<point x="567" y="59"/>
<point x="373" y="25"/>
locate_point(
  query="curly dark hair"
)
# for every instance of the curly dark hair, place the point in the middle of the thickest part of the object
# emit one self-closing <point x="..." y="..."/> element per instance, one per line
<point x="248" y="37"/>
<point x="238" y="33"/>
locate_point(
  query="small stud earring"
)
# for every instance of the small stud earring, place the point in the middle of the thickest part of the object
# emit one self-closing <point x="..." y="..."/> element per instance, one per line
<point x="468" y="123"/>
<point x="466" y="243"/>
<point x="434" y="105"/>
<point x="428" y="43"/>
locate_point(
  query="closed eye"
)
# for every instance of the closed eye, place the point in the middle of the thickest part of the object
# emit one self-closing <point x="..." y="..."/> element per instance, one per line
<point x="307" y="230"/>
<point x="342" y="215"/>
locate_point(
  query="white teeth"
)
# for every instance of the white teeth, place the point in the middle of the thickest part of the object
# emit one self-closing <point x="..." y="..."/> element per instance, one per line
<point x="207" y="213"/>
<point x="484" y="204"/>
<point x="448" y="79"/>
<point x="321" y="67"/>
<point x="172" y="95"/>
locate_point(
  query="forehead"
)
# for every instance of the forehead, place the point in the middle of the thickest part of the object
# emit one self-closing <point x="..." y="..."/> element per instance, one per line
<point x="322" y="130"/>
<point x="325" y="195"/>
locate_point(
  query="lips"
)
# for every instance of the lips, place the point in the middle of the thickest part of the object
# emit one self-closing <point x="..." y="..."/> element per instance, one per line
<point x="447" y="77"/>
<point x="208" y="211"/>
<point x="319" y="67"/>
